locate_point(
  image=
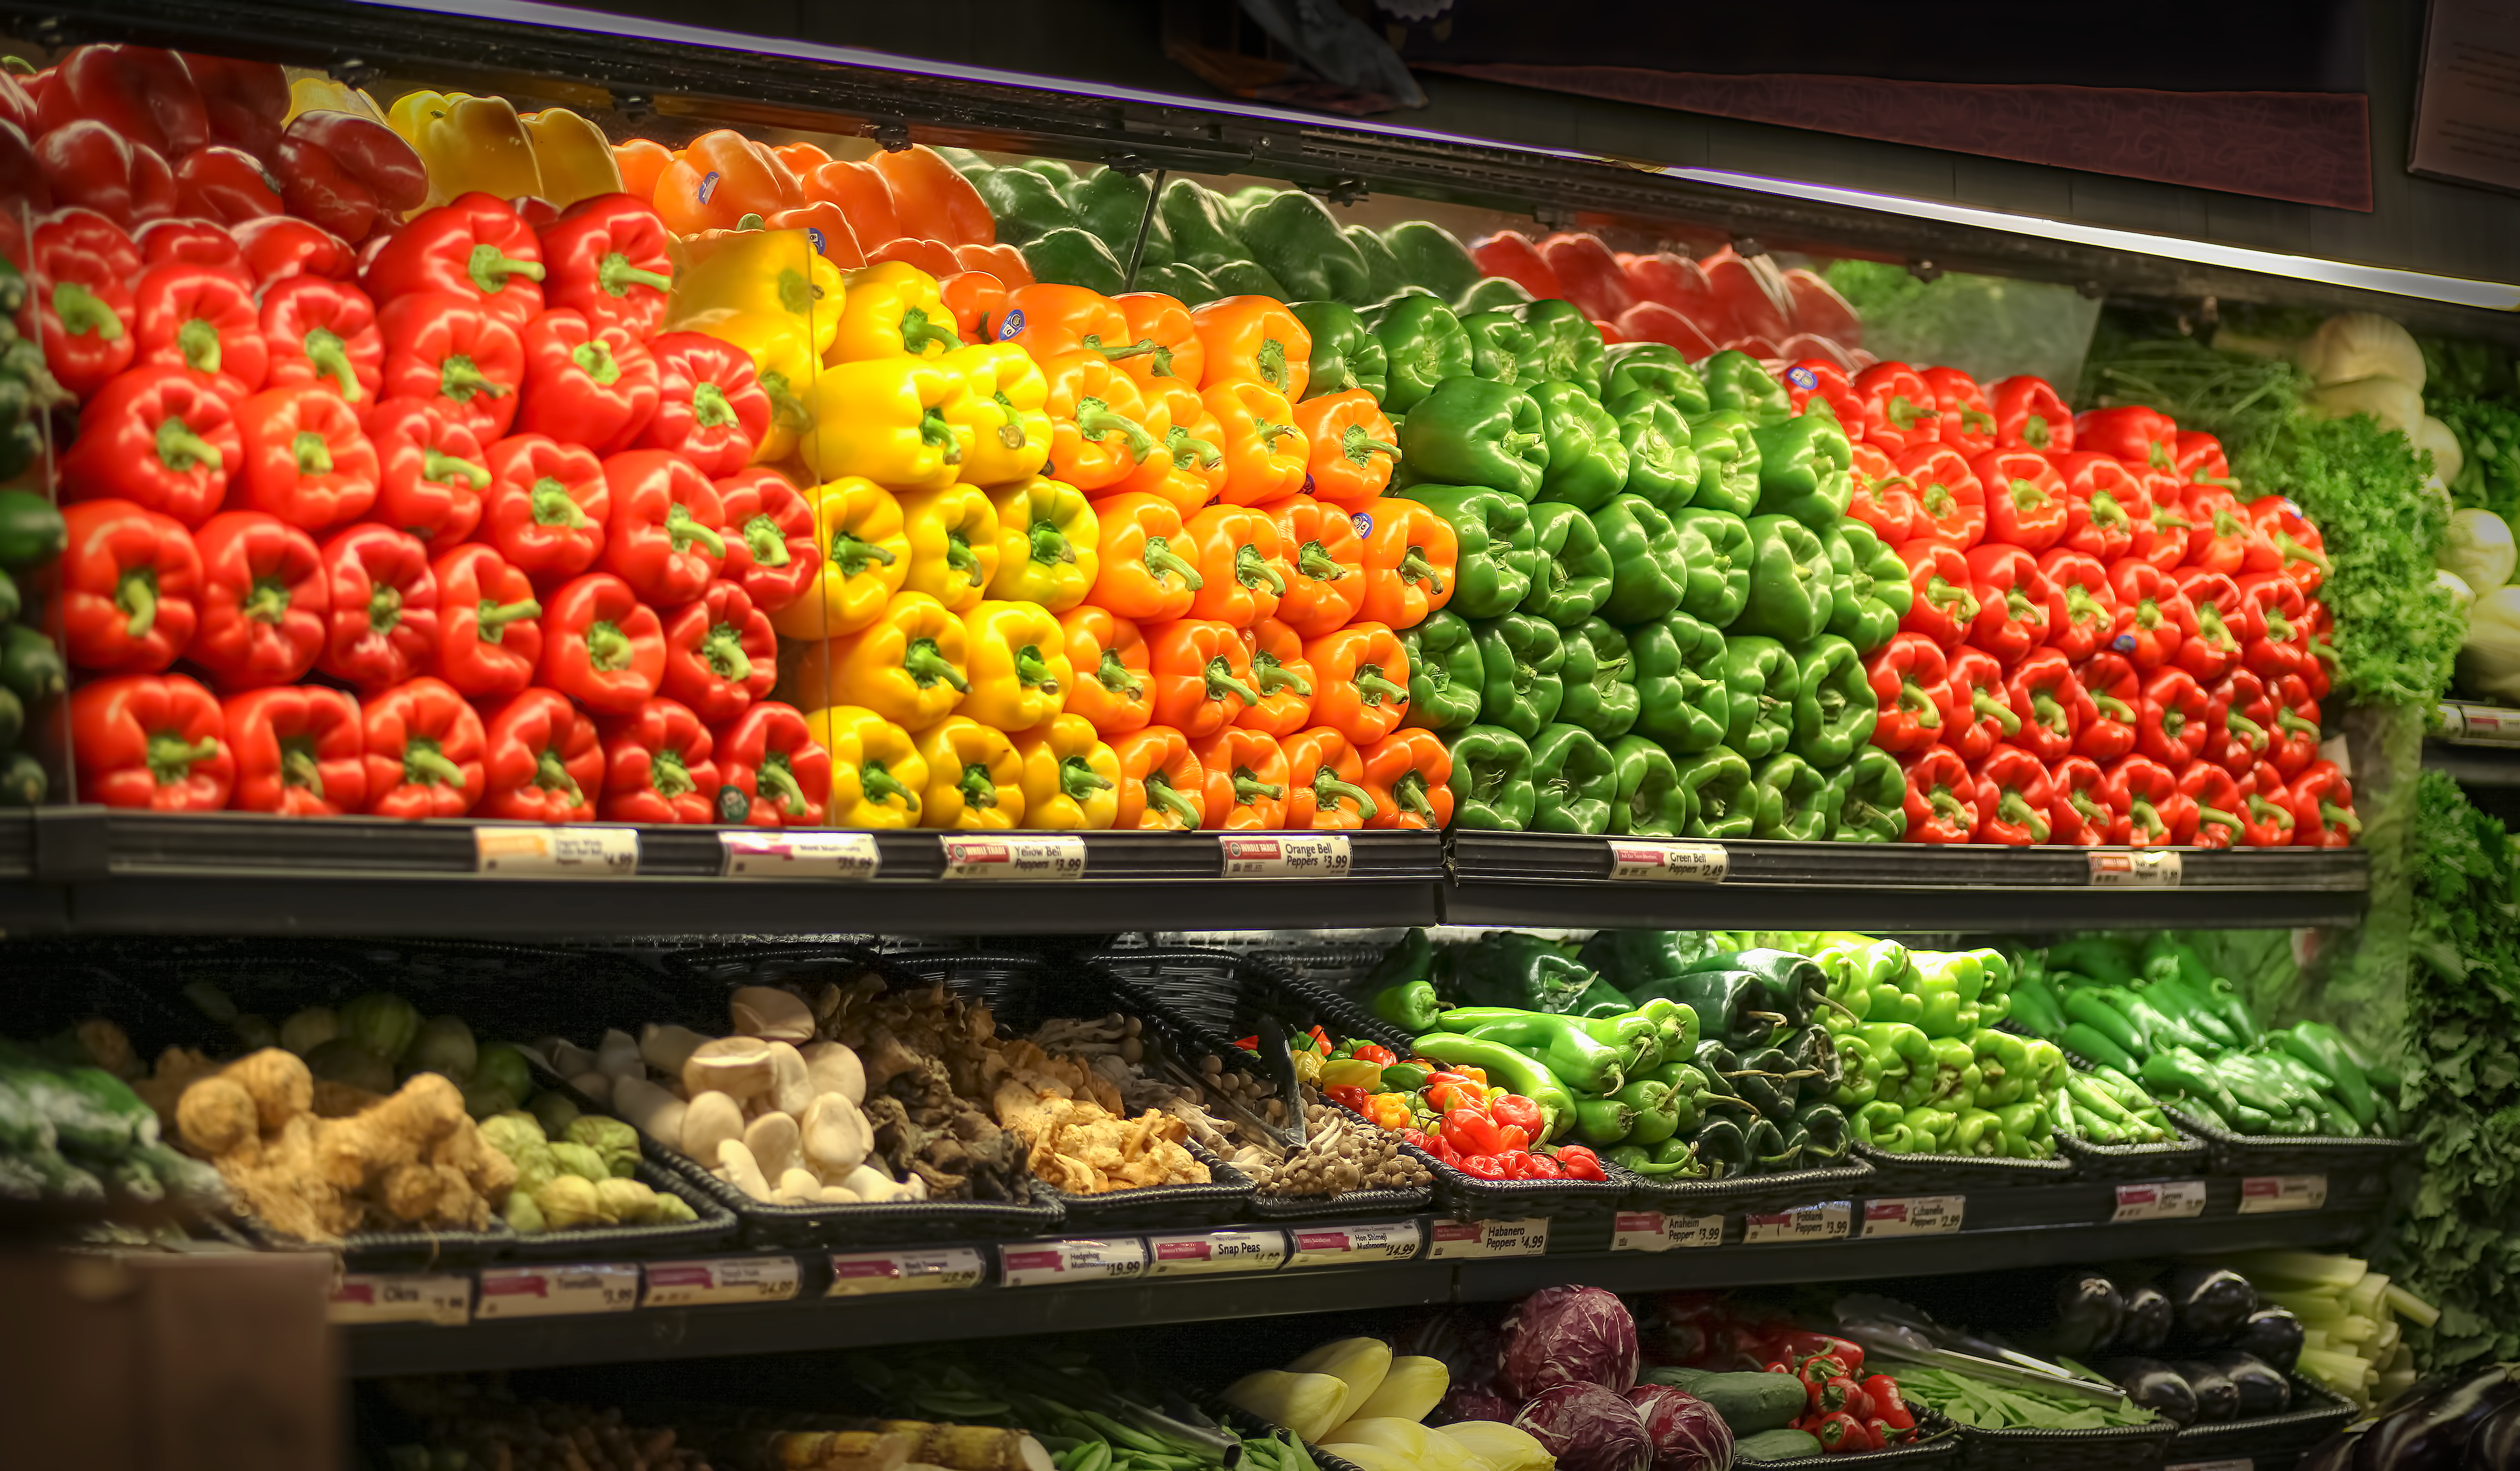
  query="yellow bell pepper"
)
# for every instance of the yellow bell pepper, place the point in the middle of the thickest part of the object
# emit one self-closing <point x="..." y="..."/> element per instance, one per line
<point x="887" y="421"/>
<point x="877" y="774"/>
<point x="784" y="363"/>
<point x="953" y="543"/>
<point x="573" y="155"/>
<point x="906" y="666"/>
<point x="1005" y="431"/>
<point x="864" y="557"/>
<point x="772" y="273"/>
<point x="1072" y="780"/>
<point x="894" y="310"/>
<point x="974" y="778"/>
<point x="317" y="93"/>
<point x="467" y="143"/>
<point x="1047" y="544"/>
<point x="1019" y="669"/>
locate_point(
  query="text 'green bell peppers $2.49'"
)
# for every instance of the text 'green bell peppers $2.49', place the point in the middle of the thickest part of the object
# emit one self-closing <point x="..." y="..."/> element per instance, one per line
<point x="1802" y="469"/>
<point x="1422" y="344"/>
<point x="1470" y="431"/>
<point x="1662" y="456"/>
<point x="1834" y="706"/>
<point x="1587" y="460"/>
<point x="1446" y="673"/>
<point x="1651" y="802"/>
<point x="1575" y="778"/>
<point x="1599" y="678"/>
<point x="1656" y="369"/>
<point x="1492" y="789"/>
<point x="1346" y="354"/>
<point x="1715" y="545"/>
<point x="1684" y="689"/>
<point x="1727" y="463"/>
<point x="1648" y="569"/>
<point x="1875" y="582"/>
<point x="1763" y="679"/>
<point x="1501" y="346"/>
<point x="1524" y="658"/>
<point x="1719" y="783"/>
<point x="1564" y="345"/>
<point x="1494" y="552"/>
<point x="1572" y="577"/>
<point x="1790" y="575"/>
<point x="1870" y="794"/>
<point x="1788" y="794"/>
<point x="1736" y="380"/>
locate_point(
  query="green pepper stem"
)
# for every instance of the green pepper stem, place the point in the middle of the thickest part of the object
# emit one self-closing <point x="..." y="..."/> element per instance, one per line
<point x="1221" y="682"/>
<point x="443" y="469"/>
<point x="2145" y="818"/>
<point x="607" y="647"/>
<point x="553" y="506"/>
<point x="594" y="358"/>
<point x="180" y="449"/>
<point x="2278" y="627"/>
<point x="668" y="776"/>
<point x="1094" y="420"/>
<point x="851" y="553"/>
<point x="2113" y="707"/>
<point x="1137" y="349"/>
<point x="425" y="765"/>
<point x="1115" y="675"/>
<point x="267" y="602"/>
<point x="681" y="531"/>
<point x="1996" y="710"/>
<point x="1914" y="699"/>
<point x="1415" y="567"/>
<point x="1032" y="671"/>
<point x="1050" y="545"/>
<point x="2080" y="606"/>
<point x="1375" y="689"/>
<point x="1958" y="603"/>
<point x="1410" y="792"/>
<point x="170" y="758"/>
<point x="551" y="774"/>
<point x="138" y="597"/>
<point x="917" y="334"/>
<point x="2260" y="807"/>
<point x="1162" y="563"/>
<point x="1168" y="799"/>
<point x="1187" y="447"/>
<point x="198" y="341"/>
<point x="385" y="608"/>
<point x="2216" y="816"/>
<point x="767" y="544"/>
<point x="1271" y="676"/>
<point x="2174" y="721"/>
<point x="1252" y="571"/>
<point x="2287" y="720"/>
<point x="2339" y="817"/>
<point x="83" y="311"/>
<point x="881" y="786"/>
<point x="314" y="457"/>
<point x="490" y="269"/>
<point x="1328" y="791"/>
<point x="722" y="646"/>
<point x="2033" y="431"/>
<point x="617" y="276"/>
<point x="1270" y="360"/>
<point x="2091" y="812"/>
<point x="2049" y="712"/>
<point x="1315" y="562"/>
<point x="300" y="768"/>
<point x="327" y="354"/>
<point x="2107" y="512"/>
<point x="773" y="775"/>
<point x="490" y="622"/>
<point x="1248" y="789"/>
<point x="978" y="788"/>
<point x="2295" y="551"/>
<point x="459" y="379"/>
<point x="2246" y="728"/>
<point x="961" y="557"/>
<point x="1359" y="446"/>
<point x="787" y="410"/>
<point x="1269" y="433"/>
<point x="709" y="408"/>
<point x="1077" y="779"/>
<point x="935" y="429"/>
<point x="2015" y="809"/>
<point x="1945" y="806"/>
<point x="927" y="664"/>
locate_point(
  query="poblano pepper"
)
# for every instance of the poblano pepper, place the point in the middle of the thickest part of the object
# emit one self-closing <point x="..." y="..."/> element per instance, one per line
<point x="1827" y="1140"/>
<point x="1523" y="971"/>
<point x="1576" y="781"/>
<point x="1683" y="684"/>
<point x="1403" y="984"/>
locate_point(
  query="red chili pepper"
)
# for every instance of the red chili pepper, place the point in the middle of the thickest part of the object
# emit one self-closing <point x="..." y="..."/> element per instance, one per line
<point x="2153" y="812"/>
<point x="1471" y="1132"/>
<point x="541" y="761"/>
<point x="305" y="461"/>
<point x="425" y="748"/>
<point x="2224" y="621"/>
<point x="662" y="536"/>
<point x="656" y="767"/>
<point x="2012" y="596"/>
<point x="140" y="92"/>
<point x="488" y="641"/>
<point x="226" y="185"/>
<point x="720" y="654"/>
<point x="1944" y="608"/>
<point x="712" y="409"/>
<point x="600" y="645"/>
<point x="299" y="751"/>
<point x="1967" y="422"/>
<point x="1575" y="1161"/>
<point x="1906" y="678"/>
<point x="2171" y="725"/>
<point x="1899" y="409"/>
<point x="192" y="242"/>
<point x="347" y="171"/>
<point x="244" y="101"/>
<point x="2216" y="795"/>
<point x="430" y="470"/>
<point x="87" y="311"/>
<point x="2113" y="688"/>
<point x="2322" y="808"/>
<point x="2267" y="819"/>
<point x="2050" y="702"/>
<point x="1882" y="497"/>
<point x="264" y="601"/>
<point x="1887" y="1402"/>
<point x="2013" y="797"/>
<point x="2242" y="715"/>
<point x="153" y="740"/>
<point x="583" y="386"/>
<point x="281" y="247"/>
<point x="203" y="319"/>
<point x="159" y="437"/>
<point x="382" y="628"/>
<point x="129" y="579"/>
<point x="476" y="246"/>
<point x="2296" y="725"/>
<point x="2223" y="537"/>
<point x="2030" y="416"/>
<point x="769" y="754"/>
<point x="548" y="505"/>
<point x="1951" y="501"/>
<point x="1842" y="1433"/>
<point x="607" y="257"/>
<point x="2080" y="814"/>
<point x="773" y="536"/>
<point x="1813" y="1366"/>
<point x="2131" y="433"/>
<point x="441" y="346"/>
<point x="1942" y="797"/>
<point x="2282" y="642"/>
<point x="90" y="165"/>
<point x="2026" y="500"/>
<point x="2290" y="544"/>
<point x="1976" y="713"/>
<point x="1819" y="378"/>
<point x="2154" y="618"/>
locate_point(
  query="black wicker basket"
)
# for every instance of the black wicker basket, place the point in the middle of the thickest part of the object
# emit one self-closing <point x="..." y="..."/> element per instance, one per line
<point x="1753" y="1193"/>
<point x="1904" y="1173"/>
<point x="423" y="1250"/>
<point x="1937" y="1438"/>
<point x="2278" y="1440"/>
<point x="2109" y="1447"/>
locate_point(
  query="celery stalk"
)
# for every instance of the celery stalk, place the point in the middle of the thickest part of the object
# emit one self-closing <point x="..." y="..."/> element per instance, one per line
<point x="2407" y="1305"/>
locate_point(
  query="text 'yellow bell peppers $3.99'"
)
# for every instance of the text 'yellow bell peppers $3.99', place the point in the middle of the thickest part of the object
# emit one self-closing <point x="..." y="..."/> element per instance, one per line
<point x="1071" y="780"/>
<point x="1048" y="540"/>
<point x="907" y="666"/>
<point x="770" y="273"/>
<point x="974" y="778"/>
<point x="894" y="310"/>
<point x="866" y="556"/>
<point x="1018" y="668"/>
<point x="953" y="543"/>
<point x="1007" y="429"/>
<point x="467" y="143"/>
<point x="878" y="779"/>
<point x="888" y="421"/>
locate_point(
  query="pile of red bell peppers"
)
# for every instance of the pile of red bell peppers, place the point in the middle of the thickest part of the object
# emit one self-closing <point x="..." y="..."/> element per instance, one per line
<point x="2110" y="640"/>
<point x="1702" y="306"/>
<point x="436" y="526"/>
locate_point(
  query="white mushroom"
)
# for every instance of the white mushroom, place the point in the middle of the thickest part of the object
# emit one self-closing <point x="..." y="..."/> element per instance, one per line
<point x="618" y="1054"/>
<point x="836" y="1135"/>
<point x="767" y="1011"/>
<point x="835" y="1069"/>
<point x="915" y="1188"/>
<point x="651" y="1110"/>
<point x="739" y="1168"/>
<point x="667" y="1049"/>
<point x="797" y="1186"/>
<point x="739" y="1067"/>
<point x="793" y="1085"/>
<point x="834" y="1195"/>
<point x="771" y="1139"/>
<point x="873" y="1185"/>
<point x="711" y="1119"/>
<point x="596" y="1085"/>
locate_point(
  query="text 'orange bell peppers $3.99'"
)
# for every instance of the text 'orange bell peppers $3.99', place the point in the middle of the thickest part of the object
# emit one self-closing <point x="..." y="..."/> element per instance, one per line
<point x="864" y="556"/>
<point x="908" y="665"/>
<point x="382" y="625"/>
<point x="151" y="741"/>
<point x="1352" y="451"/>
<point x="299" y="750"/>
<point x="1162" y="785"/>
<point x="1102" y="430"/>
<point x="1187" y="468"/>
<point x="1240" y="564"/>
<point x="1246" y="780"/>
<point x="157" y="437"/>
<point x="1202" y="675"/>
<point x="974" y="778"/>
<point x="489" y="628"/>
<point x="1325" y="565"/>
<point x="1148" y="568"/>
<point x="770" y="530"/>
<point x="1254" y="340"/>
<point x="954" y="553"/>
<point x="1071" y="780"/>
<point x="1410" y="552"/>
<point x="442" y="347"/>
<point x="664" y="535"/>
<point x="1266" y="453"/>
<point x="602" y="647"/>
<point x="1283" y="675"/>
<point x="769" y="756"/>
<point x="1325" y="782"/>
<point x="720" y="654"/>
<point x="431" y="471"/>
<point x="541" y="759"/>
<point x="1408" y="775"/>
<point x="1113" y="686"/>
<point x="1019" y="672"/>
<point x="1360" y="682"/>
<point x="657" y="766"/>
<point x="264" y="601"/>
<point x="424" y="747"/>
<point x="130" y="585"/>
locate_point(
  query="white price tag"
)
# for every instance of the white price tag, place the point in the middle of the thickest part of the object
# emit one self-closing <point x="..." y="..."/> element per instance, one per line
<point x="1678" y="862"/>
<point x="724" y="1280"/>
<point x="2260" y="1194"/>
<point x="402" y="1298"/>
<point x="2481" y="724"/>
<point x="1474" y="1240"/>
<point x="557" y="1291"/>
<point x="1348" y="1245"/>
<point x="1828" y="1220"/>
<point x="799" y="853"/>
<point x="867" y="1273"/>
<point x="1914" y="1216"/>
<point x="1030" y="857"/>
<point x="1285" y="854"/>
<point x="1244" y="1250"/>
<point x="555" y="852"/>
<point x="2136" y="868"/>
<point x="2160" y="1200"/>
<point x="1663" y="1230"/>
<point x="1029" y="1263"/>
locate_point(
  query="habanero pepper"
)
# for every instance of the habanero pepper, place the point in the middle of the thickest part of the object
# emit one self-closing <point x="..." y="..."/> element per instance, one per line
<point x="600" y="645"/>
<point x="656" y="767"/>
<point x="430" y="470"/>
<point x="1162" y="786"/>
<point x="2080" y="814"/>
<point x="323" y="333"/>
<point x="201" y="319"/>
<point x="772" y="521"/>
<point x="2050" y="702"/>
<point x="264" y="601"/>
<point x="974" y="778"/>
<point x="2109" y="682"/>
<point x="541" y="760"/>
<point x="547" y="506"/>
<point x="769" y="755"/>
<point x="476" y="247"/>
<point x="130" y="584"/>
<point x="1283" y="675"/>
<point x="306" y="459"/>
<point x="1246" y="780"/>
<point x="2215" y="795"/>
<point x="2029" y="414"/>
<point x="661" y="535"/>
<point x="589" y="386"/>
<point x="2012" y="596"/>
<point x="1324" y="777"/>
<point x="1942" y="797"/>
<point x="383" y="626"/>
<point x="489" y="637"/>
<point x="300" y="751"/>
<point x="720" y="654"/>
<point x="151" y="741"/>
<point x="1361" y="682"/>
<point x="1976" y="711"/>
<point x="423" y="751"/>
<point x="441" y="348"/>
<point x="159" y="438"/>
<point x="2013" y="797"/>
<point x="1114" y="685"/>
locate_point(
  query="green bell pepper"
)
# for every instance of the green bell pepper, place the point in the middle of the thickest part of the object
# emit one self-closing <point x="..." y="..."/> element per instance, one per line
<point x="1492" y="788"/>
<point x="1110" y="206"/>
<point x="1718" y="781"/>
<point x="1346" y="354"/>
<point x="1647" y="571"/>
<point x="1662" y="458"/>
<point x="1070" y="256"/>
<point x="1735" y="381"/>
<point x="1027" y="206"/>
<point x="1834" y="707"/>
<point x="1383" y="273"/>
<point x="1469" y="431"/>
<point x="1522" y="687"/>
<point x="1490" y="292"/>
<point x="1432" y="256"/>
<point x="1788" y="790"/>
<point x="1446" y="673"/>
<point x="1576" y="781"/>
<point x="1717" y="549"/>
<point x="1422" y="344"/>
<point x="1588" y="463"/>
<point x="1203" y="236"/>
<point x="1791" y="597"/>
<point x="1652" y="802"/>
<point x="1505" y="1068"/>
<point x="1188" y="285"/>
<point x="1501" y="346"/>
<point x="1685" y="690"/>
<point x="1565" y="346"/>
<point x="1656" y="369"/>
<point x="1763" y="681"/>
<point x="1870" y="795"/>
<point x="1495" y="554"/>
<point x="1599" y="681"/>
<point x="1804" y="469"/>
<point x="1879" y="593"/>
<point x="1244" y="278"/>
<point x="1573" y="578"/>
<point x="1727" y="463"/>
<point x="1295" y="239"/>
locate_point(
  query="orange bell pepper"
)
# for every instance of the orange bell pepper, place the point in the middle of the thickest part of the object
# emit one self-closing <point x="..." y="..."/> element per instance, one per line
<point x="1115" y="688"/>
<point x="1283" y="675"/>
<point x="803" y="157"/>
<point x="1189" y="467"/>
<point x="642" y="162"/>
<point x="1410" y="776"/>
<point x="1175" y="357"/>
<point x="825" y="227"/>
<point x="930" y="256"/>
<point x="1101" y="431"/>
<point x="1353" y="454"/>
<point x="1055" y="319"/>
<point x="1409" y="557"/>
<point x="1161" y="783"/>
<point x="1360" y="682"/>
<point x="1202" y="675"/>
<point x="978" y="301"/>
<point x="1239" y="560"/>
<point x="1146" y="572"/>
<point x="1325" y="565"/>
<point x="933" y="199"/>
<point x="1246" y="780"/>
<point x="719" y="179"/>
<point x="1324" y="782"/>
<point x="1254" y="340"/>
<point x="862" y="195"/>
<point x="1004" y="262"/>
<point x="1264" y="454"/>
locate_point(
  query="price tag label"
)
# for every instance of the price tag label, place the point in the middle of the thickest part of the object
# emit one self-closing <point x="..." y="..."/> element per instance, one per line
<point x="402" y="1298"/>
<point x="555" y="852"/>
<point x="1664" y="1230"/>
<point x="557" y="1291"/>
<point x="1828" y="1220"/>
<point x="723" y="1280"/>
<point x="799" y="853"/>
<point x="2261" y="1193"/>
<point x="2139" y="868"/>
<point x="2160" y="1200"/>
<point x="868" y="1274"/>
<point x="1029" y="1263"/>
<point x="1348" y="1245"/>
<point x="1477" y="1240"/>
<point x="1246" y="1250"/>
<point x="1914" y="1216"/>
<point x="1285" y="854"/>
<point x="1031" y="857"/>
<point x="1674" y="863"/>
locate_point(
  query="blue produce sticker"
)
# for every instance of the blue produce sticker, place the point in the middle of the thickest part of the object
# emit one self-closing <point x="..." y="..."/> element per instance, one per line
<point x="1362" y="523"/>
<point x="815" y="235"/>
<point x="708" y="185"/>
<point x="1802" y="377"/>
<point x="1011" y="327"/>
<point x="2122" y="644"/>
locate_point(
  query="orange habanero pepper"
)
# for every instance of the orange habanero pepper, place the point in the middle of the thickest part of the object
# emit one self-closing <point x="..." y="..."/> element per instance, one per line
<point x="1409" y="557"/>
<point x="1145" y="573"/>
<point x="1101" y="431"/>
<point x="1202" y="675"/>
<point x="1410" y="776"/>
<point x="1360" y="682"/>
<point x="1174" y="357"/>
<point x="1325" y="565"/>
<point x="1116" y="687"/>
<point x="1283" y="675"/>
<point x="1161" y="783"/>
<point x="1239" y="560"/>
<point x="1246" y="780"/>
<point x="1353" y="454"/>
<point x="719" y="179"/>
<point x="1254" y="340"/>
<point x="1264" y="454"/>
<point x="1323" y="777"/>
<point x="1188" y="468"/>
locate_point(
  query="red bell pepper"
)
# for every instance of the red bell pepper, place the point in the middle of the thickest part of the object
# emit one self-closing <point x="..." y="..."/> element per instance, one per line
<point x="711" y="409"/>
<point x="2050" y="702"/>
<point x="548" y="505"/>
<point x="2013" y="797"/>
<point x="2161" y="538"/>
<point x="1657" y="322"/>
<point x="1899" y="409"/>
<point x="2222" y="536"/>
<point x="583" y="386"/>
<point x="600" y="645"/>
<point x="1907" y="677"/>
<point x="769" y="754"/>
<point x="244" y="101"/>
<point x="2322" y="808"/>
<point x="2113" y="688"/>
<point x="1951" y="501"/>
<point x="1575" y="1161"/>
<point x="663" y="534"/>
<point x="2322" y="650"/>
<point x="2279" y="642"/>
<point x="24" y="188"/>
<point x="2026" y="500"/>
<point x="87" y="311"/>
<point x="773" y="536"/>
<point x="1976" y="713"/>
<point x="657" y="766"/>
<point x="2103" y="502"/>
<point x="1944" y="608"/>
<point x="2267" y="819"/>
<point x="347" y="171"/>
<point x="2197" y="459"/>
<point x="2225" y="620"/>
<point x="441" y="346"/>
<point x="2154" y="618"/>
<point x="541" y="761"/>
<point x="300" y="751"/>
<point x="2130" y="432"/>
<point x="1510" y="253"/>
<point x="153" y="740"/>
<point x="475" y="246"/>
<point x="1883" y="499"/>
<point x="424" y="746"/>
<point x="382" y="628"/>
<point x="2296" y="732"/>
<point x="1967" y="421"/>
<point x="1820" y="379"/>
<point x="323" y="333"/>
<point x="225" y="185"/>
<point x="720" y="654"/>
<point x="488" y="639"/>
<point x="192" y="242"/>
<point x="159" y="437"/>
<point x="2216" y="795"/>
<point x="2080" y="814"/>
<point x="2082" y="609"/>
<point x="2171" y="725"/>
<point x="2030" y="416"/>
<point x="2241" y="716"/>
<point x="89" y="165"/>
<point x="264" y="601"/>
<point x="129" y="579"/>
<point x="605" y="258"/>
<point x="2291" y="545"/>
<point x="1942" y="797"/>
<point x="280" y="248"/>
<point x="140" y="92"/>
<point x="204" y="318"/>
<point x="1590" y="274"/>
<point x="2152" y="811"/>
<point x="305" y="461"/>
<point x="2012" y="596"/>
<point x="430" y="470"/>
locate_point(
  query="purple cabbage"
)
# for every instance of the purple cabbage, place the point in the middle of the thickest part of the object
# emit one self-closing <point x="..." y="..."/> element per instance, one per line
<point x="1468" y="1402"/>
<point x="1568" y="1335"/>
<point x="1588" y="1428"/>
<point x="1687" y="1433"/>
